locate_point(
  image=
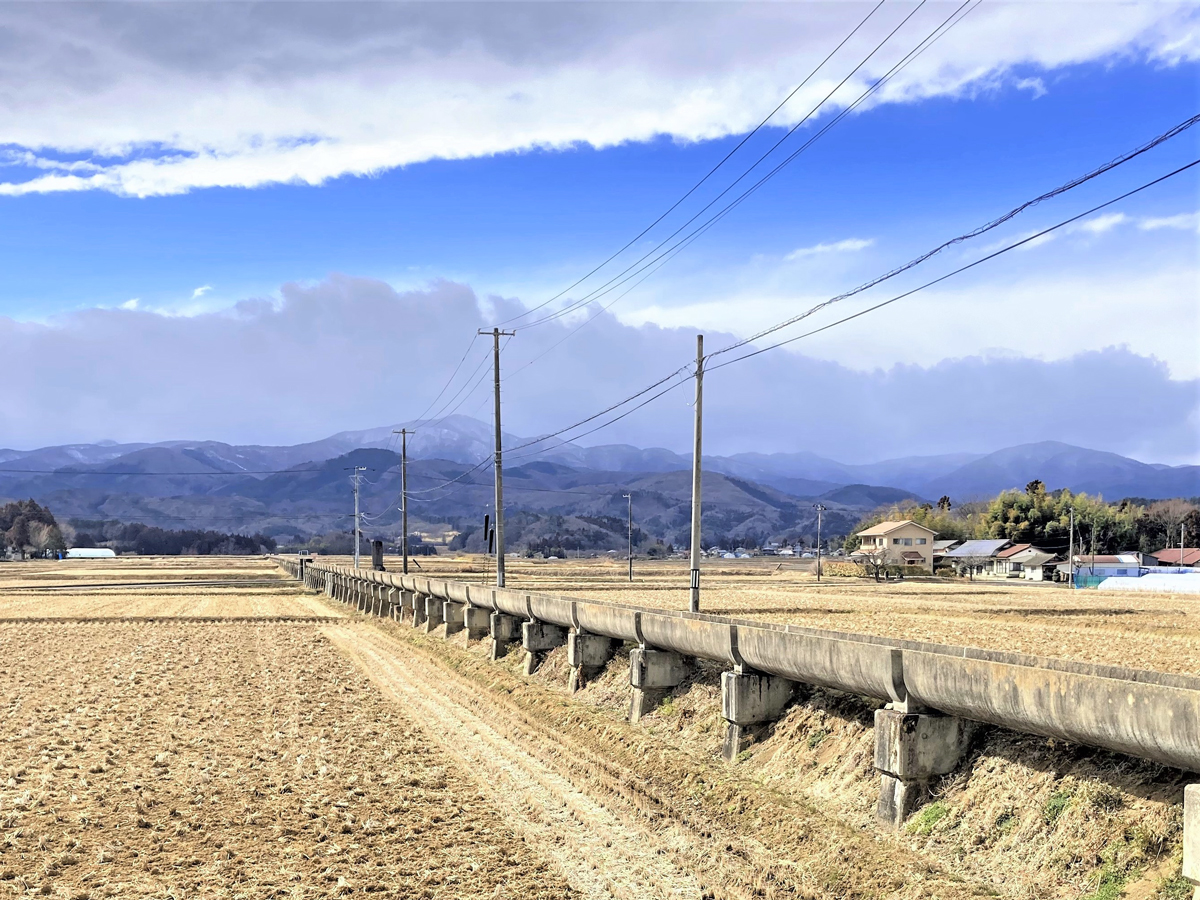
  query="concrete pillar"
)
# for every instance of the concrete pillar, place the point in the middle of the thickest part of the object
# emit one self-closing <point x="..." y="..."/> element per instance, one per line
<point x="652" y="673"/>
<point x="1191" y="837"/>
<point x="587" y="655"/>
<point x="476" y="621"/>
<point x="406" y="605"/>
<point x="911" y="749"/>
<point x="433" y="613"/>
<point x="389" y="609"/>
<point x="505" y="630"/>
<point x="452" y="615"/>
<point x="749" y="699"/>
<point x="537" y="638"/>
<point x="418" y="610"/>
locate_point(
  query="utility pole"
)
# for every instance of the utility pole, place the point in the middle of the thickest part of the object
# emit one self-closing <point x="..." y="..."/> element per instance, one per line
<point x="820" y="509"/>
<point x="355" y="478"/>
<point x="496" y="334"/>
<point x="694" y="602"/>
<point x="404" y="433"/>
<point x="630" y="552"/>
<point x="1071" y="549"/>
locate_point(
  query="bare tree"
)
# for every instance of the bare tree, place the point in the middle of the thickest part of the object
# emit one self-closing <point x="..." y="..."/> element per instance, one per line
<point x="873" y="559"/>
<point x="968" y="564"/>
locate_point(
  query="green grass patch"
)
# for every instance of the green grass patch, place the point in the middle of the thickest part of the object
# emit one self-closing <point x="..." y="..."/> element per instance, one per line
<point x="667" y="706"/>
<point x="816" y="737"/>
<point x="924" y="821"/>
<point x="1056" y="806"/>
<point x="1177" y="888"/>
<point x="1111" y="886"/>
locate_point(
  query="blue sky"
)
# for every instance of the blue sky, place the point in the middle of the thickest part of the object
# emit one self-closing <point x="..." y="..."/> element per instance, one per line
<point x="512" y="169"/>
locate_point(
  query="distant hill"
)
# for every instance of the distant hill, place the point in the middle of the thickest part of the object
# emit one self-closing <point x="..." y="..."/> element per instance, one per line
<point x="1062" y="465"/>
<point x="305" y="488"/>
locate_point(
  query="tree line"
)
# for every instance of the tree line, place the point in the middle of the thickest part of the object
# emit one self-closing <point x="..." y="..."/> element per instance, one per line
<point x="150" y="540"/>
<point x="1042" y="518"/>
<point x="27" y="528"/>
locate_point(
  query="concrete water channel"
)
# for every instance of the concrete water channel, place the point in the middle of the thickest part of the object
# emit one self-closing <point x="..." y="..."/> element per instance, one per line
<point x="934" y="694"/>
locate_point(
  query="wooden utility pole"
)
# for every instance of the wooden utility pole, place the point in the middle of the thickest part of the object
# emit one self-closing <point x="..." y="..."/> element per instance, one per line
<point x="629" y="497"/>
<point x="496" y="334"/>
<point x="1071" y="549"/>
<point x="404" y="433"/>
<point x="355" y="478"/>
<point x="694" y="602"/>
<point x="820" y="509"/>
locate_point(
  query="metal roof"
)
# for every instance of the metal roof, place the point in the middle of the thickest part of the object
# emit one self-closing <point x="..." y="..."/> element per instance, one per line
<point x="1013" y="550"/>
<point x="1171" y="556"/>
<point x="978" y="548"/>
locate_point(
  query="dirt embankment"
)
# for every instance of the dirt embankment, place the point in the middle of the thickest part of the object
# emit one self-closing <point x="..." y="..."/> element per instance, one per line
<point x="1023" y="817"/>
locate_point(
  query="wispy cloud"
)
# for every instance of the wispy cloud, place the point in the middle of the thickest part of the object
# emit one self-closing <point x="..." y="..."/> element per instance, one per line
<point x="131" y="304"/>
<point x="1182" y="222"/>
<point x="847" y="246"/>
<point x="201" y="291"/>
<point x="1101" y="224"/>
<point x="1035" y="85"/>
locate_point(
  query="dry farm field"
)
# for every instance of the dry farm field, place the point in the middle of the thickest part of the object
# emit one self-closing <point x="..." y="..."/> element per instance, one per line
<point x="188" y="728"/>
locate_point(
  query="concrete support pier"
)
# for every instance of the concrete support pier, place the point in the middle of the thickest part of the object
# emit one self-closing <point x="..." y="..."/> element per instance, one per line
<point x="652" y="673"/>
<point x="1191" y="837"/>
<point x="418" y="610"/>
<point x="505" y="630"/>
<point x="750" y="699"/>
<point x="587" y="655"/>
<point x="407" y="598"/>
<point x="911" y="749"/>
<point x="537" y="638"/>
<point x="452" y="615"/>
<point x="476" y="622"/>
<point x="433" y="613"/>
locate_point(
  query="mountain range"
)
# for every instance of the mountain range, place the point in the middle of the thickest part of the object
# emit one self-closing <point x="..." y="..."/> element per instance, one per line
<point x="303" y="488"/>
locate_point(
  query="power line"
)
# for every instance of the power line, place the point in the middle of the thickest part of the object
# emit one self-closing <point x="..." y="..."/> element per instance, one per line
<point x="960" y="269"/>
<point x="617" y="279"/>
<point x="708" y="175"/>
<point x="982" y="229"/>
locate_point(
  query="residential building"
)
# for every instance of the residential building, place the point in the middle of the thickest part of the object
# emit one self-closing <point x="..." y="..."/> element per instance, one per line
<point x="1188" y="557"/>
<point x="1039" y="565"/>
<point x="977" y="556"/>
<point x="904" y="543"/>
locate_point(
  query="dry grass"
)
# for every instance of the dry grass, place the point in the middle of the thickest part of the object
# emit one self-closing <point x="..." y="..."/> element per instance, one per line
<point x="253" y="587"/>
<point x="1143" y="631"/>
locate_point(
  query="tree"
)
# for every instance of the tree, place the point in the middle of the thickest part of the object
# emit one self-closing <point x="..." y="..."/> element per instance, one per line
<point x="873" y="559"/>
<point x="944" y="503"/>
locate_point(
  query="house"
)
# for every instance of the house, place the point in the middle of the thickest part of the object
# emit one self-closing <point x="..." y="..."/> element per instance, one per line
<point x="1038" y="565"/>
<point x="977" y="556"/>
<point x="903" y="543"/>
<point x="1007" y="562"/>
<point x="1114" y="565"/>
<point x="1187" y="557"/>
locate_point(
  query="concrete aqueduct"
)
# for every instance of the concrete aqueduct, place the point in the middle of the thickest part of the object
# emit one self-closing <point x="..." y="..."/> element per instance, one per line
<point x="934" y="693"/>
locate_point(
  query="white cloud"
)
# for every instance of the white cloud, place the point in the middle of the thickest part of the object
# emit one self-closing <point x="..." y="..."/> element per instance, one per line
<point x="1034" y="85"/>
<point x="1102" y="223"/>
<point x="131" y="304"/>
<point x="846" y="246"/>
<point x="1182" y="222"/>
<point x="144" y="99"/>
<point x="241" y="374"/>
<point x="201" y="291"/>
